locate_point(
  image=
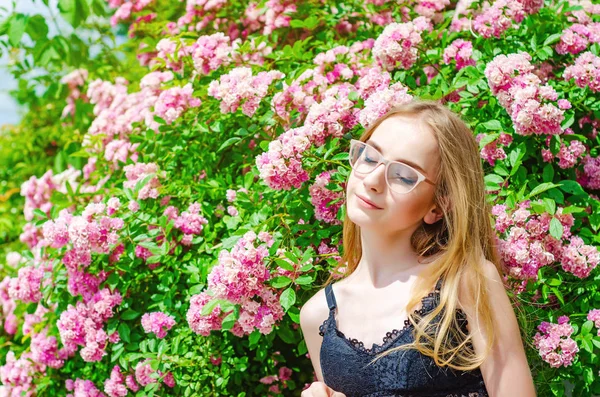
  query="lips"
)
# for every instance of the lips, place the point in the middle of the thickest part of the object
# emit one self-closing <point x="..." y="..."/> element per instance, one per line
<point x="369" y="202"/>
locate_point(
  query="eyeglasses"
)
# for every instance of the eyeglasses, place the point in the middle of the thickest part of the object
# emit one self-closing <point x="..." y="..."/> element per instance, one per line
<point x="400" y="177"/>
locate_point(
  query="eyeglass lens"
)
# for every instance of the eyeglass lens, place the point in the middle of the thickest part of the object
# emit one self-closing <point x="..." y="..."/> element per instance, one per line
<point x="364" y="158"/>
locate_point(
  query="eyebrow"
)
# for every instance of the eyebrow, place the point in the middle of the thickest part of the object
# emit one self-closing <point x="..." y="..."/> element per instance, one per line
<point x="376" y="146"/>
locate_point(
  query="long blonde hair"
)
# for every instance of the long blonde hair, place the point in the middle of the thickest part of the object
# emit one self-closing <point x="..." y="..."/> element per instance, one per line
<point x="460" y="241"/>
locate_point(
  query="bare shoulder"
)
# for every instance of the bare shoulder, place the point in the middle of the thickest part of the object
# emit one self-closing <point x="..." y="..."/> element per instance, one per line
<point x="312" y="314"/>
<point x="494" y="286"/>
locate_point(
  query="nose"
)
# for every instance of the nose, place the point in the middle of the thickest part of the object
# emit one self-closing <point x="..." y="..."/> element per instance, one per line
<point x="376" y="178"/>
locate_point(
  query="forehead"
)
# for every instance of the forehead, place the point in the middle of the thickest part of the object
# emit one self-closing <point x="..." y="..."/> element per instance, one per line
<point x="406" y="139"/>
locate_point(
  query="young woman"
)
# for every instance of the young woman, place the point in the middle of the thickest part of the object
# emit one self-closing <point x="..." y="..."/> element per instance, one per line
<point x="421" y="310"/>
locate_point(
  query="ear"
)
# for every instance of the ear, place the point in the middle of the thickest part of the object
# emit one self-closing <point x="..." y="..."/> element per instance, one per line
<point x="435" y="213"/>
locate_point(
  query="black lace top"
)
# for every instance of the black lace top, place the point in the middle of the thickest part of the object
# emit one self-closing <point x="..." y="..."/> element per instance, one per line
<point x="404" y="373"/>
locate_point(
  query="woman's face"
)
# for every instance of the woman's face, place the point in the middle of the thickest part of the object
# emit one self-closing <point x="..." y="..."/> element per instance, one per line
<point x="405" y="139"/>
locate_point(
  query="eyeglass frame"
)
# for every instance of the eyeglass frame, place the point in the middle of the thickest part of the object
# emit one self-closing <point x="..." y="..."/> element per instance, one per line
<point x="382" y="159"/>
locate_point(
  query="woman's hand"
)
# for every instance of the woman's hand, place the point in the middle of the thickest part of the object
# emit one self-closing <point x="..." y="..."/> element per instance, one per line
<point x="320" y="389"/>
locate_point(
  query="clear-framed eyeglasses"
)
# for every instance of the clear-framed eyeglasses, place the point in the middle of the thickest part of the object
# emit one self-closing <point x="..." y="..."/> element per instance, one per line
<point x="401" y="178"/>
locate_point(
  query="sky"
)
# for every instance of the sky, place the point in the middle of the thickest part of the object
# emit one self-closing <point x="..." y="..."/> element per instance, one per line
<point x="10" y="113"/>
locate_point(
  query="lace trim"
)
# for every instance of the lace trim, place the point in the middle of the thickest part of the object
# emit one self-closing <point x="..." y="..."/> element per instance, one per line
<point x="389" y="337"/>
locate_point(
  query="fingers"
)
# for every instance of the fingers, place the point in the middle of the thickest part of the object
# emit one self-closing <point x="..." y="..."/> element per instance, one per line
<point x="320" y="389"/>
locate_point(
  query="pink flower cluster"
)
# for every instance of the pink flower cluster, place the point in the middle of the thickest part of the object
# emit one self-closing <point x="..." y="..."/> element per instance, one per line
<point x="190" y="222"/>
<point x="211" y="52"/>
<point x="143" y="372"/>
<point x="136" y="173"/>
<point x="172" y="102"/>
<point x="204" y="9"/>
<point x="528" y="245"/>
<point x="277" y="15"/>
<point x="320" y="197"/>
<point x="338" y="63"/>
<point x="44" y="350"/>
<point x="281" y="166"/>
<point x="17" y="375"/>
<point x="577" y="37"/>
<point x="396" y="45"/>
<point x="37" y="194"/>
<point x="459" y="51"/>
<point x="567" y="155"/>
<point x="8" y="305"/>
<point x="381" y="101"/>
<point x="240" y="278"/>
<point x="81" y="325"/>
<point x="284" y="375"/>
<point x="239" y="87"/>
<point x="92" y="232"/>
<point x="555" y="344"/>
<point x="117" y="112"/>
<point x="74" y="80"/>
<point x="491" y="152"/>
<point x="594" y="315"/>
<point x="521" y="93"/>
<point x="585" y="71"/>
<point x="81" y="387"/>
<point x="117" y="384"/>
<point x="26" y="286"/>
<point x="124" y="11"/>
<point x="333" y="116"/>
<point x="585" y="14"/>
<point x="498" y="17"/>
<point x="590" y="177"/>
<point x="121" y="150"/>
<point x="429" y="8"/>
<point x="158" y="323"/>
<point x="578" y="258"/>
<point x="255" y="55"/>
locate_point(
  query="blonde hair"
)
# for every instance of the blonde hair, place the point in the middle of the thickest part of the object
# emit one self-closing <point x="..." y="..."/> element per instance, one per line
<point x="460" y="240"/>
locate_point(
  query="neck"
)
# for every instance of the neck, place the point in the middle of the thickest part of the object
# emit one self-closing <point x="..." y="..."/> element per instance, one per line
<point x="386" y="258"/>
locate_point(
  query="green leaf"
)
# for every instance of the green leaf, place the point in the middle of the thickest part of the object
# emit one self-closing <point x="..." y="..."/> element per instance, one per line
<point x="129" y="314"/>
<point x="38" y="212"/>
<point x="280" y="282"/>
<point x="340" y="156"/>
<point x="16" y="29"/>
<point x="572" y="187"/>
<point x="287" y="298"/>
<point x="124" y="332"/>
<point x="493" y="125"/>
<point x="542" y="187"/>
<point x="74" y="11"/>
<point x="554" y="282"/>
<point x="556" y="229"/>
<point x="487" y="139"/>
<point x="228" y="143"/>
<point x="282" y="263"/>
<point x="229" y="321"/>
<point x="550" y="205"/>
<point x="304" y="280"/>
<point x="587" y="327"/>
<point x="553" y="38"/>
<point x="548" y="173"/>
<point x="209" y="307"/>
<point x="353" y="96"/>
<point x="253" y="338"/>
<point x="142" y="182"/>
<point x="37" y="27"/>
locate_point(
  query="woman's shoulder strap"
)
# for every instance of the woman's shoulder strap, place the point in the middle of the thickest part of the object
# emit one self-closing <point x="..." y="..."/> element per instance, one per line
<point x="331" y="303"/>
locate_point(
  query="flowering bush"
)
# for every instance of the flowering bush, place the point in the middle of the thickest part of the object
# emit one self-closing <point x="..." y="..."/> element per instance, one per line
<point x="168" y="203"/>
